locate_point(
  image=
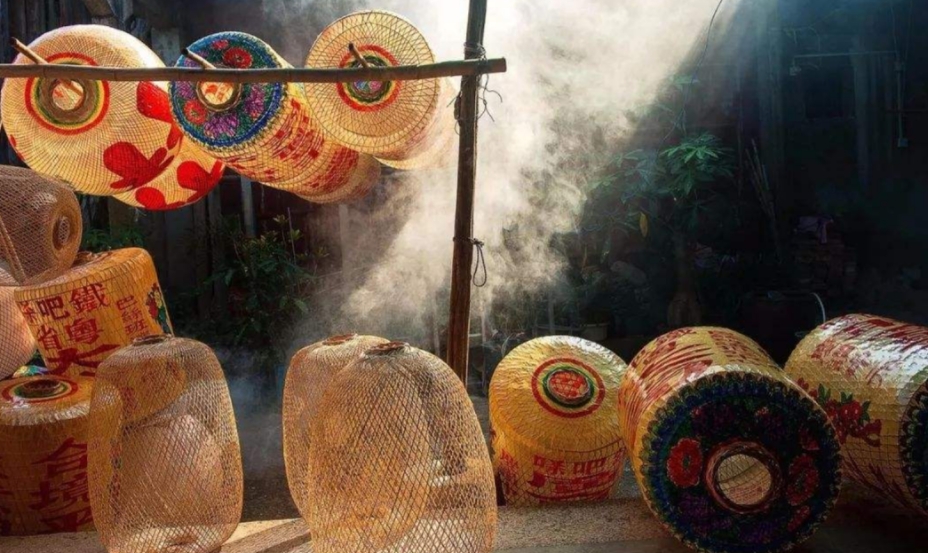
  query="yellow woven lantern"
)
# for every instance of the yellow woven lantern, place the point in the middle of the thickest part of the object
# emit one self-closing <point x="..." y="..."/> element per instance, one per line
<point x="439" y="138"/>
<point x="100" y="137"/>
<point x="870" y="374"/>
<point x="191" y="176"/>
<point x="729" y="454"/>
<point x="104" y="302"/>
<point x="40" y="227"/>
<point x="165" y="462"/>
<point x="43" y="459"/>
<point x="383" y="119"/>
<point x="311" y="370"/>
<point x="16" y="343"/>
<point x="348" y="176"/>
<point x="552" y="411"/>
<point x="398" y="461"/>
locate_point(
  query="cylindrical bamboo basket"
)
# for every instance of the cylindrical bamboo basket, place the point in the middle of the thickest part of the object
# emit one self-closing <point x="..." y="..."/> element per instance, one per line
<point x="264" y="131"/>
<point x="40" y="227"/>
<point x="729" y="454"/>
<point x="104" y="302"/>
<point x="439" y="138"/>
<point x="191" y="176"/>
<point x="309" y="374"/>
<point x="348" y="176"/>
<point x="870" y="374"/>
<point x="552" y="412"/>
<point x="383" y="119"/>
<point x="43" y="457"/>
<point x="100" y="137"/>
<point x="398" y="461"/>
<point x="165" y="463"/>
<point x="17" y="345"/>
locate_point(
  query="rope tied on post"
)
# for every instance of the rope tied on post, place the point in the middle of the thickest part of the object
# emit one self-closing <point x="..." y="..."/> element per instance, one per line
<point x="477" y="51"/>
<point x="481" y="261"/>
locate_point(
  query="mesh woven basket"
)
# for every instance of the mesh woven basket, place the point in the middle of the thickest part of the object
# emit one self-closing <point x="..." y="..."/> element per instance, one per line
<point x="384" y="119"/>
<point x="870" y="374"/>
<point x="436" y="147"/>
<point x="552" y="410"/>
<point x="100" y="137"/>
<point x="40" y="227"/>
<point x="310" y="371"/>
<point x="348" y="176"/>
<point x="729" y="454"/>
<point x="43" y="458"/>
<point x="165" y="463"/>
<point x="16" y="343"/>
<point x="104" y="302"/>
<point x="264" y="131"/>
<point x="398" y="462"/>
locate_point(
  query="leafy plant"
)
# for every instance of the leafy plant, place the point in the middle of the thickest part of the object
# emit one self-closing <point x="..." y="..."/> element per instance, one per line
<point x="97" y="240"/>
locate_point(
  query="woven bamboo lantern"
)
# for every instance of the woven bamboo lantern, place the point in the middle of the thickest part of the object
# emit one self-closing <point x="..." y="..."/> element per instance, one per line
<point x="870" y="374"/>
<point x="264" y="131"/>
<point x="552" y="411"/>
<point x="398" y="461"/>
<point x="100" y="137"/>
<point x="16" y="343"/>
<point x="348" y="176"/>
<point x="435" y="149"/>
<point x="40" y="227"/>
<point x="191" y="176"/>
<point x="729" y="454"/>
<point x="43" y="458"/>
<point x="165" y="463"/>
<point x="104" y="302"/>
<point x="311" y="370"/>
<point x="383" y="119"/>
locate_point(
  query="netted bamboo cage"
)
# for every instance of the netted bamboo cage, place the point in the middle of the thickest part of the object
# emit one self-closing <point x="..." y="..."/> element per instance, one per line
<point x="165" y="466"/>
<point x="17" y="346"/>
<point x="384" y="119"/>
<point x="870" y="374"/>
<point x="100" y="137"/>
<point x="40" y="227"/>
<point x="102" y="303"/>
<point x="44" y="431"/>
<point x="729" y="454"/>
<point x="398" y="462"/>
<point x="310" y="372"/>
<point x="190" y="177"/>
<point x="552" y="413"/>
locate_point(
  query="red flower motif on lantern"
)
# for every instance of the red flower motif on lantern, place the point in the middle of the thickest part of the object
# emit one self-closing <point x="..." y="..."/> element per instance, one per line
<point x="195" y="112"/>
<point x="685" y="463"/>
<point x="236" y="57"/>
<point x="803" y="480"/>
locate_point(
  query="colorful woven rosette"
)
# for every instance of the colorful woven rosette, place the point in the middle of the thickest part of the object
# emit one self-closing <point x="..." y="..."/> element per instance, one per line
<point x="102" y="138"/>
<point x="552" y="411"/>
<point x="388" y="120"/>
<point x="730" y="455"/>
<point x="870" y="374"/>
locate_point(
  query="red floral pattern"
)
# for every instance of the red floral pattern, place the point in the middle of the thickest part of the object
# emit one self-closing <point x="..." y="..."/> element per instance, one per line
<point x="236" y="57"/>
<point x="685" y="463"/>
<point x="803" y="480"/>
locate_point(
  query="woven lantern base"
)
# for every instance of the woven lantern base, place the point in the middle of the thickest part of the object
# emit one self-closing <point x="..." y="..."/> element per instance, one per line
<point x="43" y="459"/>
<point x="16" y="343"/>
<point x="342" y="175"/>
<point x="40" y="227"/>
<point x="730" y="455"/>
<point x="870" y="374"/>
<point x="398" y="461"/>
<point x="191" y="176"/>
<point x="552" y="410"/>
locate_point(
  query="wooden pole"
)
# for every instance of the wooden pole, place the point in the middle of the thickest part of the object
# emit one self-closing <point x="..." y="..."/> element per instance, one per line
<point x="32" y="56"/>
<point x="461" y="270"/>
<point x="223" y="75"/>
<point x="203" y="62"/>
<point x="357" y="55"/>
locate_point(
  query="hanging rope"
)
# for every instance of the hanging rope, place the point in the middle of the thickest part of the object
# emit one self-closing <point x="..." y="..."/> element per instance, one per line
<point x="481" y="261"/>
<point x="477" y="51"/>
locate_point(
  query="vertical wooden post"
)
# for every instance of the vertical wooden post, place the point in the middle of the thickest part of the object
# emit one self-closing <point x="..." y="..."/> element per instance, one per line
<point x="461" y="272"/>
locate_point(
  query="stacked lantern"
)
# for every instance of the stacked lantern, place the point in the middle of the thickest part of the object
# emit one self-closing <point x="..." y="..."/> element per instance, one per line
<point x="43" y="460"/>
<point x="870" y="374"/>
<point x="165" y="461"/>
<point x="104" y="302"/>
<point x="309" y="374"/>
<point x="729" y="453"/>
<point x="398" y="461"/>
<point x="552" y="410"/>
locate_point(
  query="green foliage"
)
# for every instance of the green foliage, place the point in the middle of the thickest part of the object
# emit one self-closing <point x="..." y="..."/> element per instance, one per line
<point x="97" y="240"/>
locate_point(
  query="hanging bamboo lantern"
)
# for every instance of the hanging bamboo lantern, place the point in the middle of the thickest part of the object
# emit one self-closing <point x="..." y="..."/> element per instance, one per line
<point x="398" y="461"/>
<point x="552" y="411"/>
<point x="729" y="454"/>
<point x="191" y="176"/>
<point x="100" y="137"/>
<point x="311" y="370"/>
<point x="40" y="227"/>
<point x="165" y="462"/>
<point x="43" y="459"/>
<point x="16" y="343"/>
<point x="870" y="374"/>
<point x="383" y="119"/>
<point x="348" y="176"/>
<point x="104" y="302"/>
<point x="437" y="146"/>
